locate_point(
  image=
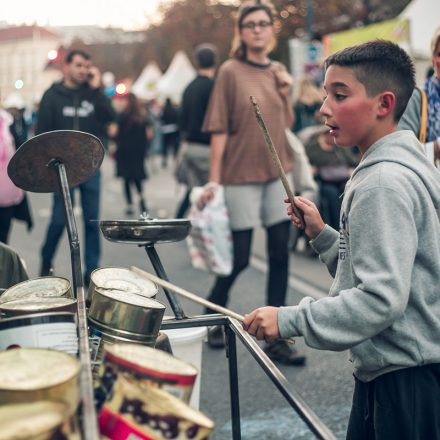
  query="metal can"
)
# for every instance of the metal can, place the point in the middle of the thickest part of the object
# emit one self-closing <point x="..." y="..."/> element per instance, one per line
<point x="150" y="414"/>
<point x="40" y="420"/>
<point x="126" y="311"/>
<point x="56" y="330"/>
<point x="38" y="288"/>
<point x="100" y="334"/>
<point x="29" y="306"/>
<point x="121" y="279"/>
<point x="148" y="367"/>
<point x="31" y="374"/>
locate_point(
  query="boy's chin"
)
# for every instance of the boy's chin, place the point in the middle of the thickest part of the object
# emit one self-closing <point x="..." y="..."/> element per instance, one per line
<point x="343" y="144"/>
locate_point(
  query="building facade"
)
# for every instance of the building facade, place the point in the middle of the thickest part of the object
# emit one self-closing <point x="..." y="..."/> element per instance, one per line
<point x="23" y="58"/>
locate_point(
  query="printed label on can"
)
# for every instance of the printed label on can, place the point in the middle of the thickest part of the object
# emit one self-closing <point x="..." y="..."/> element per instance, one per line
<point x="114" y="425"/>
<point x="58" y="336"/>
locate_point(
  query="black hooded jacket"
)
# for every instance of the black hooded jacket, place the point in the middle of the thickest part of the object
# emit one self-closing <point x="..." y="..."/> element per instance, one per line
<point x="83" y="109"/>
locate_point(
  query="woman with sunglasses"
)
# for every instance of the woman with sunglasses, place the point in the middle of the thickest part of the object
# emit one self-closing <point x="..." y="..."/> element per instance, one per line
<point x="241" y="162"/>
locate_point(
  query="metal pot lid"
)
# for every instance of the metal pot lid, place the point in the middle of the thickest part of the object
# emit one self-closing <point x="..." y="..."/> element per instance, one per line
<point x="41" y="287"/>
<point x="81" y="153"/>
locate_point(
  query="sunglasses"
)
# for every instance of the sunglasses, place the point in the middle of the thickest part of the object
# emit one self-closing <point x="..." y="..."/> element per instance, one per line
<point x="252" y="25"/>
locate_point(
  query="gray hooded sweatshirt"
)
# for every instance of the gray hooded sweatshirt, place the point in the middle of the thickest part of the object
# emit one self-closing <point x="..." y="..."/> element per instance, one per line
<point x="384" y="303"/>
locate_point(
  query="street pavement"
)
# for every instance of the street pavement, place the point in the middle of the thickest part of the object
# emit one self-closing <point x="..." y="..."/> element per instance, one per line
<point x="325" y="383"/>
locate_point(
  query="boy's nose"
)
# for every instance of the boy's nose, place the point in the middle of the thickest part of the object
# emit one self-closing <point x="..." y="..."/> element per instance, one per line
<point x="324" y="110"/>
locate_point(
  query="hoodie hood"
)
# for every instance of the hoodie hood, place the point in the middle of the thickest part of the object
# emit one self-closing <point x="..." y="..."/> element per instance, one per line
<point x="403" y="148"/>
<point x="60" y="88"/>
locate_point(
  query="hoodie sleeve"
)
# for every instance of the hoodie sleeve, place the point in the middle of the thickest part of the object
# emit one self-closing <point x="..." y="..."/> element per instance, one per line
<point x="383" y="242"/>
<point x="327" y="246"/>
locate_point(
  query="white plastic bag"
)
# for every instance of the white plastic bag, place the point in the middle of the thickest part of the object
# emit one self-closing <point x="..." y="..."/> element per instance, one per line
<point x="210" y="241"/>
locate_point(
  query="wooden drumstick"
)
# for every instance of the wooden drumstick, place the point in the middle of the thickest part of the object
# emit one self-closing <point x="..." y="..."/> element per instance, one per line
<point x="276" y="160"/>
<point x="188" y="295"/>
<point x="192" y="296"/>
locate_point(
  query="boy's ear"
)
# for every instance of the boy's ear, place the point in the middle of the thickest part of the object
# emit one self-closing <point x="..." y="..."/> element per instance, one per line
<point x="386" y="104"/>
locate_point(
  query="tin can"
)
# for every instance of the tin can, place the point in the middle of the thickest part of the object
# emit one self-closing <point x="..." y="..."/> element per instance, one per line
<point x="100" y="334"/>
<point x="29" y="306"/>
<point x="41" y="420"/>
<point x="148" y="367"/>
<point x="56" y="330"/>
<point x="126" y="311"/>
<point x="150" y="414"/>
<point x="31" y="374"/>
<point x="121" y="279"/>
<point x="38" y="288"/>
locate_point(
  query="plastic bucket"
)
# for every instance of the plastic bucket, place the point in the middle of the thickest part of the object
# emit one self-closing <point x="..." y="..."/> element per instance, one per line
<point x="187" y="344"/>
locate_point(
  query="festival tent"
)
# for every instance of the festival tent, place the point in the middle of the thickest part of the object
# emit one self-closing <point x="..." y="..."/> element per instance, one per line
<point x="424" y="19"/>
<point x="178" y="75"/>
<point x="145" y="86"/>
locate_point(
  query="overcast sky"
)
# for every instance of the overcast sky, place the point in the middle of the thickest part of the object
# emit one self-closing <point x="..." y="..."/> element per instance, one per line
<point x="129" y="14"/>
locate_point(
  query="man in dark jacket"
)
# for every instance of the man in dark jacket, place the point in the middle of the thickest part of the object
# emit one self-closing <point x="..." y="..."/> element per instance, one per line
<point x="195" y="102"/>
<point x="76" y="103"/>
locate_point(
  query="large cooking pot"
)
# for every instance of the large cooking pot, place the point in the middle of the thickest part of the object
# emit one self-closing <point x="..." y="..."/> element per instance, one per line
<point x="145" y="230"/>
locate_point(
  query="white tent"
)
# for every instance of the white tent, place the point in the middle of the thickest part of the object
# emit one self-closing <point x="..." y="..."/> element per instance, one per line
<point x="178" y="75"/>
<point x="145" y="86"/>
<point x="424" y="18"/>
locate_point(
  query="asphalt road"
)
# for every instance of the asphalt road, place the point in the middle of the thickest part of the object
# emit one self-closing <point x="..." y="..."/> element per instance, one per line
<point x="325" y="383"/>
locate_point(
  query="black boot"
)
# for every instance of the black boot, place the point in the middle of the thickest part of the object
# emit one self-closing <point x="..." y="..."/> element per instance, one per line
<point x="284" y="352"/>
<point x="216" y="337"/>
<point x="46" y="269"/>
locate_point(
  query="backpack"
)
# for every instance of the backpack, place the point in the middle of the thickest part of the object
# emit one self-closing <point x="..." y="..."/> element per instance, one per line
<point x="10" y="194"/>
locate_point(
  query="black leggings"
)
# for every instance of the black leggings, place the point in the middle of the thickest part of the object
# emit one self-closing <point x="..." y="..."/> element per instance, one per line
<point x="137" y="184"/>
<point x="277" y="250"/>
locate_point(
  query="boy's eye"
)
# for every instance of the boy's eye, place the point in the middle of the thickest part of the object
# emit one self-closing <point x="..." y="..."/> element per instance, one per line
<point x="339" y="96"/>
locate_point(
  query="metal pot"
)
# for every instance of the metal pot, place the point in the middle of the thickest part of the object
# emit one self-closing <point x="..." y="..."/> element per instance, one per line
<point x="146" y="230"/>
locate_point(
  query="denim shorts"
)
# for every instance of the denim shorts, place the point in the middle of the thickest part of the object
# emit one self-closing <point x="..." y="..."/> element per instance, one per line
<point x="256" y="204"/>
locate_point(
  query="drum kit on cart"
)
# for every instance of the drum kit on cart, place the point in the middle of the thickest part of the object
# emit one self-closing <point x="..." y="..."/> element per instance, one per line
<point x="77" y="365"/>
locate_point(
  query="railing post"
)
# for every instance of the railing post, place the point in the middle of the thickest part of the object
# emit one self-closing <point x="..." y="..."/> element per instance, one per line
<point x="231" y="353"/>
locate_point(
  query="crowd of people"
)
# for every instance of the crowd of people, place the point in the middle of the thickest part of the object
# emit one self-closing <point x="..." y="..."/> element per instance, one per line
<point x="382" y="185"/>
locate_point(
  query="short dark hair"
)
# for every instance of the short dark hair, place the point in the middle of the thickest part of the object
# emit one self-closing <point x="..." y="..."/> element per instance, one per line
<point x="205" y="55"/>
<point x="72" y="53"/>
<point x="380" y="66"/>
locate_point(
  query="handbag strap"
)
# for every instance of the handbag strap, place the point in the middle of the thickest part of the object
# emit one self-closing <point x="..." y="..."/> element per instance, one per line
<point x="423" y="117"/>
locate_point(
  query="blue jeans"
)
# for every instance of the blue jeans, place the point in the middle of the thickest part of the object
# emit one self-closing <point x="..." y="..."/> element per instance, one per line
<point x="90" y="193"/>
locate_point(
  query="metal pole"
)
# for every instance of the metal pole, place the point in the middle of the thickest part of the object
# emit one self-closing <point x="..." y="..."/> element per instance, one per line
<point x="90" y="426"/>
<point x="231" y="353"/>
<point x="160" y="271"/>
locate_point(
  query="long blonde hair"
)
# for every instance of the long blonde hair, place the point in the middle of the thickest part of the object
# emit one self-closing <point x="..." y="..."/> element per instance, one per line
<point x="306" y="92"/>
<point x="238" y="48"/>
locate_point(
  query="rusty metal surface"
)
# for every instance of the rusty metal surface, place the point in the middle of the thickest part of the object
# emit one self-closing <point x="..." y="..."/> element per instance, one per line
<point x="81" y="153"/>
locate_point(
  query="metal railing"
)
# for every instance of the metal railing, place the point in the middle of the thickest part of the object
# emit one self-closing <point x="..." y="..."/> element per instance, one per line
<point x="233" y="329"/>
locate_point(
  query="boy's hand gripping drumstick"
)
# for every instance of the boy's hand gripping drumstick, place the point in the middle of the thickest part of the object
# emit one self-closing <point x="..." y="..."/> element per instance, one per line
<point x="276" y="160"/>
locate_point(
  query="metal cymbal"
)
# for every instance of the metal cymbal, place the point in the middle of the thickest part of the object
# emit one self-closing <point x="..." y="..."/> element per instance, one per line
<point x="81" y="153"/>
